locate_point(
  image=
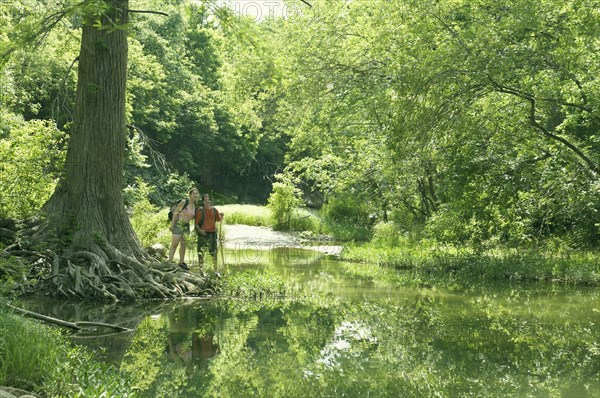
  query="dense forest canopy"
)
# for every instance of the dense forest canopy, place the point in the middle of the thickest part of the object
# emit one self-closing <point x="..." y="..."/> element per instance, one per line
<point x="459" y="121"/>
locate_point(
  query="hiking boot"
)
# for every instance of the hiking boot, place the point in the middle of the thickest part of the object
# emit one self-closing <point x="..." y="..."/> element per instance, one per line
<point x="184" y="266"/>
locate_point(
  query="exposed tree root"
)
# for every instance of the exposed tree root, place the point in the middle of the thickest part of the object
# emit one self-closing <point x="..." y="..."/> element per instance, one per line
<point x="88" y="276"/>
<point x="101" y="271"/>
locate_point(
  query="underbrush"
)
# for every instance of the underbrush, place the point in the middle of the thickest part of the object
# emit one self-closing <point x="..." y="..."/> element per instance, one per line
<point x="38" y="358"/>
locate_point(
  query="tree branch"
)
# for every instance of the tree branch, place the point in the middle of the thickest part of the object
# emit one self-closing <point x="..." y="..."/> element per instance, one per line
<point x="532" y="120"/>
<point x="148" y="12"/>
<point x="72" y="325"/>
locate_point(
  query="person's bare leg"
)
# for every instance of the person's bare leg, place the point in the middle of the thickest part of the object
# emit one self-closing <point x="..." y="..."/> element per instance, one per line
<point x="182" y="250"/>
<point x="175" y="239"/>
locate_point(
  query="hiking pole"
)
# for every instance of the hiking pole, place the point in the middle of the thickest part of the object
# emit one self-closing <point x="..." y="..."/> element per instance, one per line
<point x="221" y="242"/>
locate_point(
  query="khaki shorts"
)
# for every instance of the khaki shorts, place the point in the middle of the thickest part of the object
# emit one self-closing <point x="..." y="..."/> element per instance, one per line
<point x="181" y="228"/>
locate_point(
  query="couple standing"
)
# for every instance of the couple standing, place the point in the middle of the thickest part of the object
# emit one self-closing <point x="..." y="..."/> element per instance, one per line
<point x="205" y="223"/>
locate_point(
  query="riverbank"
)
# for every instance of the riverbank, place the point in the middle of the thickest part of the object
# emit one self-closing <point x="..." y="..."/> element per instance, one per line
<point x="239" y="236"/>
<point x="434" y="264"/>
<point x="39" y="360"/>
<point x="447" y="265"/>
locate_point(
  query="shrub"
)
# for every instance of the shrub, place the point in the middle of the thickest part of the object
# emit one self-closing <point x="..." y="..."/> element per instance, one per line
<point x="283" y="203"/>
<point x="386" y="234"/>
<point x="347" y="218"/>
<point x="31" y="156"/>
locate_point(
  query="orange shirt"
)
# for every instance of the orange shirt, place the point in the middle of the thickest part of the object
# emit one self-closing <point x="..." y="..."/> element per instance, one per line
<point x="209" y="221"/>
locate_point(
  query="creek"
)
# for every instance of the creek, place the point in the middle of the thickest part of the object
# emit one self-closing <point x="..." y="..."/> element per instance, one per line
<point x="343" y="335"/>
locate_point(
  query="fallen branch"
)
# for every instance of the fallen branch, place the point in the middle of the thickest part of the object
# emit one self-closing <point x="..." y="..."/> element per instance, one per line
<point x="79" y="325"/>
<point x="45" y="318"/>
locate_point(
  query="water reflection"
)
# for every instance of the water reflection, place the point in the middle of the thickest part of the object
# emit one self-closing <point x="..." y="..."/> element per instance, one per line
<point x="190" y="337"/>
<point x="360" y="337"/>
<point x="423" y="344"/>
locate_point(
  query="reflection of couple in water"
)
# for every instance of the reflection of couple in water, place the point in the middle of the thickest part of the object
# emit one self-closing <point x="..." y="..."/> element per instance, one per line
<point x="190" y="339"/>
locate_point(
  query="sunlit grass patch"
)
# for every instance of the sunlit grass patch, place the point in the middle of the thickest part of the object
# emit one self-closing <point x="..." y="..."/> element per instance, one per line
<point x="254" y="215"/>
<point x="258" y="284"/>
<point x="302" y="220"/>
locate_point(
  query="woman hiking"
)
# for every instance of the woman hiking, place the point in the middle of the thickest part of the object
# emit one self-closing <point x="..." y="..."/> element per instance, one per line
<point x="180" y="225"/>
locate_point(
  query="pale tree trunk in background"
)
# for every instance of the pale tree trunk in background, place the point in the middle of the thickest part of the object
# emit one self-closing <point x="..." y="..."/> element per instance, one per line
<point x="87" y="209"/>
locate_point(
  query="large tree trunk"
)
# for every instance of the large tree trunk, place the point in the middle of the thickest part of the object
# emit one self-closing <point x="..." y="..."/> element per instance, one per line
<point x="94" y="252"/>
<point x="88" y="206"/>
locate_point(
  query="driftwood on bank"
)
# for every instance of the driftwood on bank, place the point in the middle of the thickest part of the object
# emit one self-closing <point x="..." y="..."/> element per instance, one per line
<point x="78" y="326"/>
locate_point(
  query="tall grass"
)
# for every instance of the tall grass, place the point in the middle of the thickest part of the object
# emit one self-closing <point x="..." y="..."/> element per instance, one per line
<point x="254" y="215"/>
<point x="27" y="351"/>
<point x="430" y="261"/>
<point x="38" y="358"/>
<point x="258" y="284"/>
<point x="303" y="220"/>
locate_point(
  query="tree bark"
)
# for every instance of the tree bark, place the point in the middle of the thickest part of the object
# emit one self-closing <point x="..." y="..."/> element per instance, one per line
<point x="87" y="208"/>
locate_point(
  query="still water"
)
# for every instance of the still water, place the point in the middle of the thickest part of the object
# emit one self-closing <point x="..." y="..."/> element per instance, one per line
<point x="342" y="335"/>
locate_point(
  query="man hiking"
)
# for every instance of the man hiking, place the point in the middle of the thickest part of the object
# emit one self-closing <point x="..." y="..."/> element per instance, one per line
<point x="206" y="228"/>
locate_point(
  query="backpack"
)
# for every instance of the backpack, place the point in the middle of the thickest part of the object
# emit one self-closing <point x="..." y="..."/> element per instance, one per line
<point x="172" y="209"/>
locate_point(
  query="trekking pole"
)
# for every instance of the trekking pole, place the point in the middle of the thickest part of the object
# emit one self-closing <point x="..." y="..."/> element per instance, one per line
<point x="221" y="242"/>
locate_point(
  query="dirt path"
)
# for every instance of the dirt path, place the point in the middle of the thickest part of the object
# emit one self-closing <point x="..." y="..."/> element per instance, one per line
<point x="264" y="238"/>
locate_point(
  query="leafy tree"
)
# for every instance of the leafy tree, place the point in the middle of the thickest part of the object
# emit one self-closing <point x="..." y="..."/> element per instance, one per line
<point x="31" y="156"/>
<point x="283" y="203"/>
<point x="85" y="220"/>
<point x="483" y="114"/>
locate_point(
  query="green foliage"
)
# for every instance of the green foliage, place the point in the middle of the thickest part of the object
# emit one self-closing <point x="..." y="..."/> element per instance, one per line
<point x="347" y="217"/>
<point x="258" y="284"/>
<point x="475" y="123"/>
<point x="148" y="220"/>
<point x="37" y="358"/>
<point x="31" y="156"/>
<point x="441" y="264"/>
<point x="386" y="234"/>
<point x="309" y="222"/>
<point x="255" y="215"/>
<point x="283" y="204"/>
<point x="14" y="277"/>
<point x="480" y="136"/>
<point x="184" y="110"/>
<point x="28" y="352"/>
<point x="80" y="374"/>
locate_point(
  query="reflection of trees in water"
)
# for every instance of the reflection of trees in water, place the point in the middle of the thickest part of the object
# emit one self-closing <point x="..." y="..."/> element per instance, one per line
<point x="273" y="256"/>
<point x="413" y="344"/>
<point x="109" y="346"/>
<point x="416" y="343"/>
